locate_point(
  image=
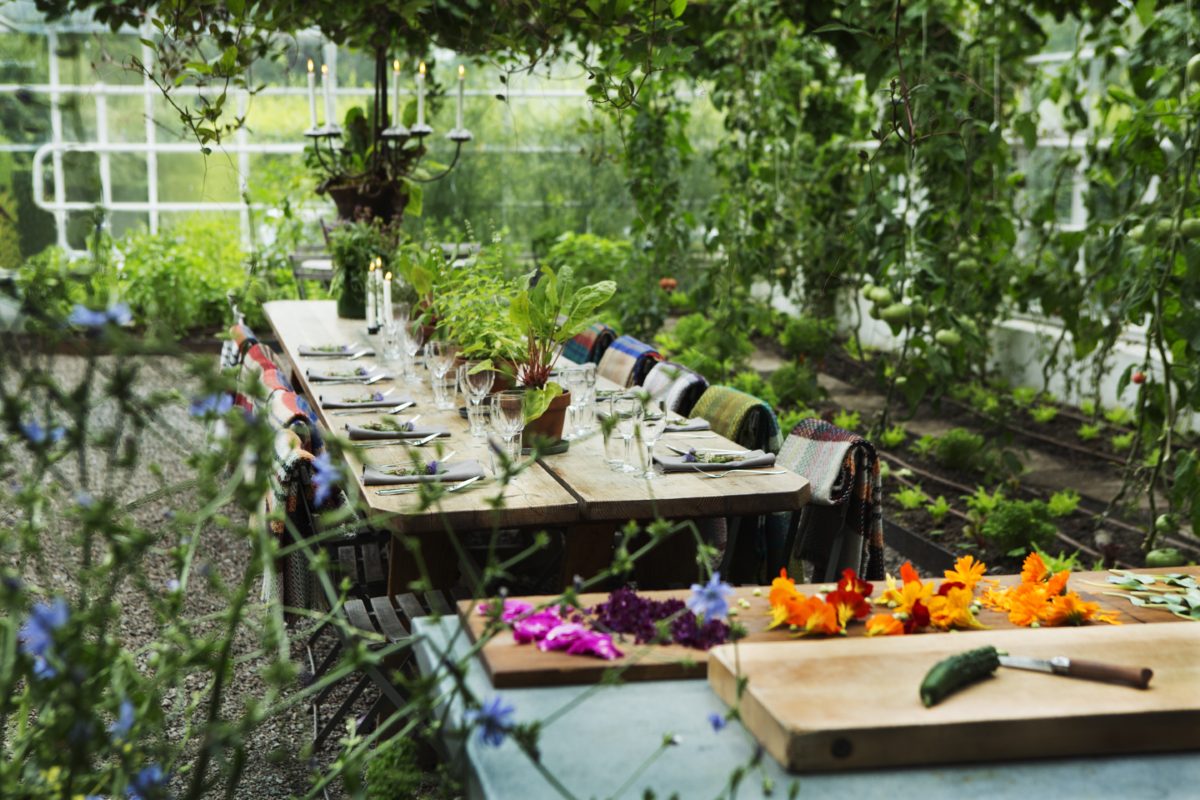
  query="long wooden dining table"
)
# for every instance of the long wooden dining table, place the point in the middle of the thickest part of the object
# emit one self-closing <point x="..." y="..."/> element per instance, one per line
<point x="574" y="491"/>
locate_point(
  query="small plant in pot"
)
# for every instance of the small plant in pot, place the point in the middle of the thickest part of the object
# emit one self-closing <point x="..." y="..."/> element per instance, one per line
<point x="549" y="314"/>
<point x="354" y="245"/>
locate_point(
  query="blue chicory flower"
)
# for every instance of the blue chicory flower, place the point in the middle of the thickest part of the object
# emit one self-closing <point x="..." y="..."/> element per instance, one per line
<point x="147" y="783"/>
<point x="85" y="317"/>
<point x="217" y="404"/>
<point x="431" y="468"/>
<point x="716" y="720"/>
<point x="124" y="723"/>
<point x="711" y="600"/>
<point x="494" y="719"/>
<point x="173" y="585"/>
<point x="377" y="397"/>
<point x="119" y="314"/>
<point x="36" y="434"/>
<point x="37" y="634"/>
<point x="690" y="455"/>
<point x="326" y="476"/>
<point x="84" y="499"/>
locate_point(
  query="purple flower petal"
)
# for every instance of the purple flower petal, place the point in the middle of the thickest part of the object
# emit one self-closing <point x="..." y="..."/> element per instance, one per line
<point x="534" y="627"/>
<point x="513" y="609"/>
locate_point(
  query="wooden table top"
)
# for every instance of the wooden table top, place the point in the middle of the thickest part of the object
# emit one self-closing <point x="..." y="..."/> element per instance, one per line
<point x="570" y="487"/>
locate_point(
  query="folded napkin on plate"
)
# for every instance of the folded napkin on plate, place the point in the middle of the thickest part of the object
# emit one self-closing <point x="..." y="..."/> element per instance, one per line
<point x="333" y="351"/>
<point x="378" y="400"/>
<point x="461" y="471"/>
<point x="360" y="434"/>
<point x="685" y="425"/>
<point x="755" y="458"/>
<point x="348" y="374"/>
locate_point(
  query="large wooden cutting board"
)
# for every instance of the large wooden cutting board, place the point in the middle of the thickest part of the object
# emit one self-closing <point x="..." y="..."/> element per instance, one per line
<point x="511" y="665"/>
<point x="853" y="704"/>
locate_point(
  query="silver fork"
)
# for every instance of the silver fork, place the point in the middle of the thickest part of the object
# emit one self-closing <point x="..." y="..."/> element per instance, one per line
<point x="728" y="472"/>
<point x="410" y="489"/>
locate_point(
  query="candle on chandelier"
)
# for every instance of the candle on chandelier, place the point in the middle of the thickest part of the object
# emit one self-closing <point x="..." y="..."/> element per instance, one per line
<point x="396" y="81"/>
<point x="462" y="75"/>
<point x="312" y="95"/>
<point x="325" y="87"/>
<point x="421" y="95"/>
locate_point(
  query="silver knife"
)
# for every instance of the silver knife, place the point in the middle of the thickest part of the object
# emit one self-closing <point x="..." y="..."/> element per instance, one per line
<point x="410" y="489"/>
<point x="1137" y="677"/>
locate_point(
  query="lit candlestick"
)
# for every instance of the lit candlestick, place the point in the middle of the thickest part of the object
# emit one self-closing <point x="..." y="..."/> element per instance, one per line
<point x="421" y="95"/>
<point x="387" y="299"/>
<point x="312" y="95"/>
<point x="371" y="295"/>
<point x="462" y="74"/>
<point x="330" y="119"/>
<point x="396" y="80"/>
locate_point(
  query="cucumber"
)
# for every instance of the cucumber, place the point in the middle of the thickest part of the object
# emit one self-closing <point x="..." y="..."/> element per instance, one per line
<point x="955" y="672"/>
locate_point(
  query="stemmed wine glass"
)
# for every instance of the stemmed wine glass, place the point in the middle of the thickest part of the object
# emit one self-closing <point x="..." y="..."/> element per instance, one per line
<point x="394" y="331"/>
<point x="508" y="418"/>
<point x="414" y="340"/>
<point x="441" y="359"/>
<point x="476" y="383"/>
<point x="653" y="423"/>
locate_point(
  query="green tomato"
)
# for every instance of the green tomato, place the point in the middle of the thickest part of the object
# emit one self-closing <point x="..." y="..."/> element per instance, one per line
<point x="880" y="295"/>
<point x="1138" y="233"/>
<point x="1165" y="557"/>
<point x="948" y="338"/>
<point x="1163" y="226"/>
<point x="966" y="266"/>
<point x="1193" y="70"/>
<point x="1166" y="523"/>
<point x="896" y="313"/>
<point x="1072" y="159"/>
<point x="1190" y="228"/>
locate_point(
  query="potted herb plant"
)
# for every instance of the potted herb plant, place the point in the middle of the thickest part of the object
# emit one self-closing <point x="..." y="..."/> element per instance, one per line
<point x="549" y="314"/>
<point x="354" y="245"/>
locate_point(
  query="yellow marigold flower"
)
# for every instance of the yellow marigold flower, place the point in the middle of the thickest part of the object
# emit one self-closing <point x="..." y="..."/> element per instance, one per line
<point x="953" y="609"/>
<point x="884" y="625"/>
<point x="967" y="571"/>
<point x="1034" y="569"/>
<point x="1069" y="609"/>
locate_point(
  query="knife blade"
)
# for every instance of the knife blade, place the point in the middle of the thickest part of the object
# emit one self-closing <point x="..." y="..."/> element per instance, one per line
<point x="1137" y="677"/>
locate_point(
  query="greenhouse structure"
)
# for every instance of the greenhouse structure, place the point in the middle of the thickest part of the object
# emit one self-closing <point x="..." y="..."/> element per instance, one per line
<point x="599" y="399"/>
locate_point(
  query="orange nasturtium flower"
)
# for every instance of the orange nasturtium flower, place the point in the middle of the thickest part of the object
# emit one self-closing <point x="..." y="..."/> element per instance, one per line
<point x="967" y="571"/>
<point x="819" y="617"/>
<point x="848" y="605"/>
<point x="1034" y="569"/>
<point x="781" y="588"/>
<point x="884" y="625"/>
<point x="1071" y="609"/>
<point x="951" y="608"/>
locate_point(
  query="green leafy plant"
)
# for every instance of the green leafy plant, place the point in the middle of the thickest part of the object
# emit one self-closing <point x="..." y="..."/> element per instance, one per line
<point x="959" y="449"/>
<point x="1122" y="441"/>
<point x="795" y="384"/>
<point x="1064" y="503"/>
<point x="807" y="337"/>
<point x="1118" y="415"/>
<point x="1043" y="414"/>
<point x="1088" y="431"/>
<point x="910" y="498"/>
<point x="1060" y="562"/>
<point x="792" y="417"/>
<point x="925" y="445"/>
<point x="893" y="437"/>
<point x="1018" y="526"/>
<point x="549" y="314"/>
<point x="1023" y="396"/>
<point x="850" y="420"/>
<point x="1088" y="407"/>
<point x="355" y="246"/>
<point x="752" y="383"/>
<point x="938" y="509"/>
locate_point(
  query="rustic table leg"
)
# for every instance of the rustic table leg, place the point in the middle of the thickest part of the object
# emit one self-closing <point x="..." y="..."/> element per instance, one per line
<point x="438" y="555"/>
<point x="587" y="549"/>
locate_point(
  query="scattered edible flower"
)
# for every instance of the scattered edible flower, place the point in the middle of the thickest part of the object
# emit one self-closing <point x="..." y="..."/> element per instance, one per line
<point x="884" y="625"/>
<point x="536" y="626"/>
<point x="690" y="456"/>
<point x="717" y="721"/>
<point x="1041" y="598"/>
<point x="509" y="611"/>
<point x="967" y="571"/>
<point x="711" y="600"/>
<point x="493" y="718"/>
<point x="577" y="640"/>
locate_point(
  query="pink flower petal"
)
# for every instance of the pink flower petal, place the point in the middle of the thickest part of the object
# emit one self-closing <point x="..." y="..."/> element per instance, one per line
<point x="513" y="609"/>
<point x="534" y="627"/>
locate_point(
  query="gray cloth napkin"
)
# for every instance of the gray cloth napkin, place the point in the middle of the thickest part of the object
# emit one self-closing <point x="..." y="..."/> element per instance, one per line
<point x="341" y="374"/>
<point x="461" y="471"/>
<point x="358" y="434"/>
<point x="386" y="402"/>
<point x="696" y="424"/>
<point x="755" y="458"/>
<point x="346" y="350"/>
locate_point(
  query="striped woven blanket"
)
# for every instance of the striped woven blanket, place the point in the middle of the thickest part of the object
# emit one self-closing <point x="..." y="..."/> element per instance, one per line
<point x="589" y="346"/>
<point x="627" y="361"/>
<point x="676" y="385"/>
<point x="842" y="468"/>
<point x="739" y="416"/>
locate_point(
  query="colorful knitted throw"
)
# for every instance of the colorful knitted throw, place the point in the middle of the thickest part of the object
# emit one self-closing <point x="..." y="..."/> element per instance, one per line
<point x="627" y="361"/>
<point x="843" y="468"/>
<point x="589" y="346"/>
<point x="739" y="416"/>
<point x="676" y="385"/>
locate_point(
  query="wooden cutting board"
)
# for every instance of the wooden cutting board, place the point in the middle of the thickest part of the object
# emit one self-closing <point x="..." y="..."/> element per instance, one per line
<point x="512" y="665"/>
<point x="853" y="704"/>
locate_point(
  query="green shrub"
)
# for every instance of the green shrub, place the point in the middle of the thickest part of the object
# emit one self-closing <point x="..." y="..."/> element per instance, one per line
<point x="393" y="771"/>
<point x="1018" y="526"/>
<point x="751" y="382"/>
<point x="959" y="449"/>
<point x="795" y="384"/>
<point x="790" y="419"/>
<point x="592" y="258"/>
<point x="807" y="337"/>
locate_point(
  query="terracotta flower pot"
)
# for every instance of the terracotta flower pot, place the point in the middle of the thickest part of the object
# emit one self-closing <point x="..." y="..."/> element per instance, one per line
<point x="550" y="424"/>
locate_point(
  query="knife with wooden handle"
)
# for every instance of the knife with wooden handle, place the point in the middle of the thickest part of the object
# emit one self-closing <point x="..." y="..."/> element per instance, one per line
<point x="1137" y="677"/>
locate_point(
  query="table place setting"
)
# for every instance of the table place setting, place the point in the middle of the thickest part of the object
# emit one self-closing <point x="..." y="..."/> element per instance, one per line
<point x="366" y="375"/>
<point x="346" y="351"/>
<point x="708" y="460"/>
<point x="371" y="399"/>
<point x="387" y="428"/>
<point x="678" y="424"/>
<point x="405" y="476"/>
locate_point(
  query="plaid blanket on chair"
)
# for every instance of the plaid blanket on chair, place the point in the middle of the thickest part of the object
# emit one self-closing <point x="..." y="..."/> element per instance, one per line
<point x="842" y="468"/>
<point x="589" y="346"/>
<point x="739" y="416"/>
<point x="242" y="336"/>
<point x="676" y="385"/>
<point x="627" y="361"/>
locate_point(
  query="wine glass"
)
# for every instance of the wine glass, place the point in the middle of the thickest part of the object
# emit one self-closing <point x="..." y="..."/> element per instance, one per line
<point x="440" y="359"/>
<point x="508" y="418"/>
<point x="654" y="422"/>
<point x="476" y="384"/>
<point x="628" y="410"/>
<point x="572" y="380"/>
<point x="414" y="340"/>
<point x="586" y="415"/>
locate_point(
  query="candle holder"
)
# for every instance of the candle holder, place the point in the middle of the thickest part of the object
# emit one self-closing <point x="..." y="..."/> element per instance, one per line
<point x="459" y="135"/>
<point x="420" y="131"/>
<point x="395" y="132"/>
